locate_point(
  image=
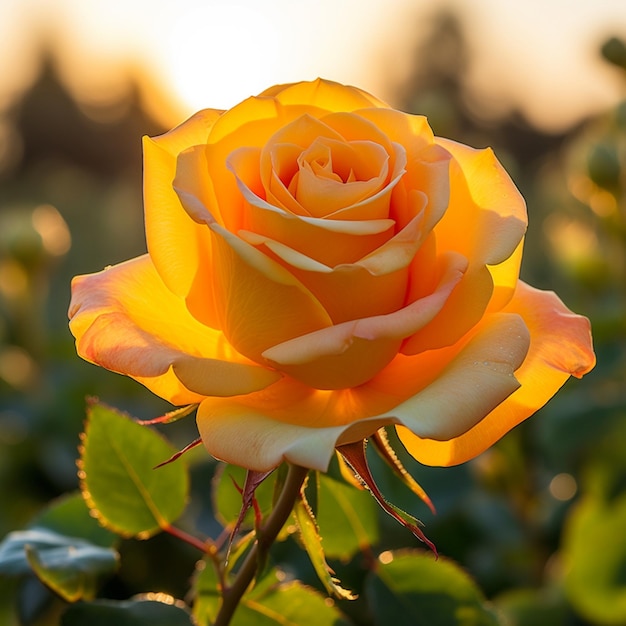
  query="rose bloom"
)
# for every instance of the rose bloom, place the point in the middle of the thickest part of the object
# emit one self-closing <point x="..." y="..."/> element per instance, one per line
<point x="321" y="265"/>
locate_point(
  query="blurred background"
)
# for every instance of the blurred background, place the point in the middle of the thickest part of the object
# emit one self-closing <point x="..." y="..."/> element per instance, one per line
<point x="540" y="520"/>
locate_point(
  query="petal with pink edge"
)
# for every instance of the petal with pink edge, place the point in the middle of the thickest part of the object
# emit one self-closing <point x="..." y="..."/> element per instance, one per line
<point x="560" y="347"/>
<point x="291" y="421"/>
<point x="125" y="319"/>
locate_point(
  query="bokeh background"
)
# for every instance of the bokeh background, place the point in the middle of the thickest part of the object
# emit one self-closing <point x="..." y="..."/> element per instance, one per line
<point x="540" y="520"/>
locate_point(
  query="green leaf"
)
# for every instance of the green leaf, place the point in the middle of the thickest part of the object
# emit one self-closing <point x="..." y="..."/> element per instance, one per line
<point x="205" y="589"/>
<point x="118" y="479"/>
<point x="70" y="566"/>
<point x="70" y="516"/>
<point x="289" y="604"/>
<point x="347" y="518"/>
<point x="66" y="521"/>
<point x="66" y="548"/>
<point x="228" y="500"/>
<point x="72" y="571"/>
<point x="270" y="603"/>
<point x="127" y="613"/>
<point x="413" y="589"/>
<point x="594" y="551"/>
<point x="310" y="537"/>
<point x="533" y="607"/>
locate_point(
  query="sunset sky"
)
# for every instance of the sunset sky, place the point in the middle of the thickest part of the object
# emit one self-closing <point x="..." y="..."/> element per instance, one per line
<point x="539" y="54"/>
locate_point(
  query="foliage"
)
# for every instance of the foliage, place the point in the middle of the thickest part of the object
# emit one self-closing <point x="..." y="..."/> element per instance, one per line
<point x="530" y="533"/>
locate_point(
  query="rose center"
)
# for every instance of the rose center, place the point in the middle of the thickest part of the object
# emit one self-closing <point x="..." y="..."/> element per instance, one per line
<point x="332" y="175"/>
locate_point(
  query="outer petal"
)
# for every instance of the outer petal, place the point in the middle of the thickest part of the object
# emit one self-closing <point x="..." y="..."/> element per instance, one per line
<point x="440" y="394"/>
<point x="126" y="320"/>
<point x="412" y="131"/>
<point x="288" y="421"/>
<point x="194" y="189"/>
<point x="325" y="94"/>
<point x="560" y="346"/>
<point x="474" y="381"/>
<point x="485" y="221"/>
<point x="247" y="437"/>
<point x="168" y="228"/>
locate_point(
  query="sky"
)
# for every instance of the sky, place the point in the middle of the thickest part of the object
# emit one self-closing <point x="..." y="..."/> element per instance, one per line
<point x="539" y="55"/>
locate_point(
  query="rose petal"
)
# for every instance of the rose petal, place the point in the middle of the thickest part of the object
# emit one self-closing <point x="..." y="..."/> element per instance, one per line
<point x="245" y="436"/>
<point x="427" y="174"/>
<point x="411" y="131"/>
<point x="350" y="353"/>
<point x="328" y="241"/>
<point x="279" y="169"/>
<point x="253" y="121"/>
<point x="287" y="421"/>
<point x="353" y="172"/>
<point x="560" y="346"/>
<point x="345" y="291"/>
<point x="278" y="159"/>
<point x="168" y="229"/>
<point x="261" y="304"/>
<point x="250" y="124"/>
<point x="485" y="221"/>
<point x="118" y="317"/>
<point x="472" y="384"/>
<point x="505" y="277"/>
<point x="325" y="94"/>
<point x="194" y="194"/>
<point x="290" y="421"/>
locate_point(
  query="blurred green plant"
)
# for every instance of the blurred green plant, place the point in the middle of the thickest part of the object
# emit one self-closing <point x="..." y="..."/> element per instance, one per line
<point x="536" y="523"/>
<point x="67" y="551"/>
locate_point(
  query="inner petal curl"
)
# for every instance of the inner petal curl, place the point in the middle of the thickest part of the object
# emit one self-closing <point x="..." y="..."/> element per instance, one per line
<point x="335" y="174"/>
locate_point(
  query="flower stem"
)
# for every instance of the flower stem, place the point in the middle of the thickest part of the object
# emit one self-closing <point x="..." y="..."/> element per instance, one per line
<point x="206" y="547"/>
<point x="264" y="540"/>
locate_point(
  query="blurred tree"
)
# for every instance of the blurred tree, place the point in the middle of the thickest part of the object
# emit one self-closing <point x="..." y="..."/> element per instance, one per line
<point x="73" y="178"/>
<point x="52" y="126"/>
<point x="436" y="87"/>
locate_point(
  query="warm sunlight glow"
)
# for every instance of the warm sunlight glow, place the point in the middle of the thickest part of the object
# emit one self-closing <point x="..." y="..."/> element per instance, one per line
<point x="207" y="61"/>
<point x="214" y="53"/>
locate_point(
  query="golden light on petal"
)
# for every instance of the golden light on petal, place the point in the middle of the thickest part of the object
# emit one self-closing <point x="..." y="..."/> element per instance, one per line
<point x="563" y="487"/>
<point x="52" y="229"/>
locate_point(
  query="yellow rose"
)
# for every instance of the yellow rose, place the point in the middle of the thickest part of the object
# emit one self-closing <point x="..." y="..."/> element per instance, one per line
<point x="320" y="265"/>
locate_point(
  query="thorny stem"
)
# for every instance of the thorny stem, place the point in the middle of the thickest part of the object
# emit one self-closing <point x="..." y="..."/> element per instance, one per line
<point x="265" y="538"/>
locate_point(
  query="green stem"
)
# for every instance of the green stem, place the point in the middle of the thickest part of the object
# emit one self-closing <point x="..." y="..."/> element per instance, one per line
<point x="264" y="540"/>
